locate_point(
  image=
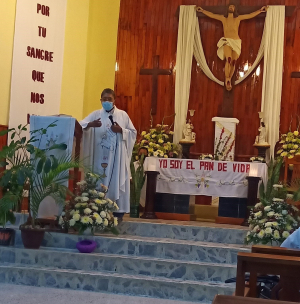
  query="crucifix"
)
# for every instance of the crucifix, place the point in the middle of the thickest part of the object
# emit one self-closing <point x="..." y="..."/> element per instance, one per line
<point x="155" y="72"/>
<point x="231" y="49"/>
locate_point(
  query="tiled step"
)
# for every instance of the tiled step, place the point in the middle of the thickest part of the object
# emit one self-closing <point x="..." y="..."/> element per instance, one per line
<point x="179" y="231"/>
<point x="148" y="247"/>
<point x="184" y="232"/>
<point x="114" y="283"/>
<point x="173" y="269"/>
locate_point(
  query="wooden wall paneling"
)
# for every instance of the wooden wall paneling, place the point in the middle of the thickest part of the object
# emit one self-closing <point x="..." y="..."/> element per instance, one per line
<point x="149" y="27"/>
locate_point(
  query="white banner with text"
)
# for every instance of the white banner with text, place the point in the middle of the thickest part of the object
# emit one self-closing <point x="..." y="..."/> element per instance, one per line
<point x="37" y="59"/>
<point x="204" y="177"/>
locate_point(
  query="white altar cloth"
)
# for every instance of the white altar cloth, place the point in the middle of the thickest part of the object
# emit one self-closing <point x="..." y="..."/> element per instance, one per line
<point x="203" y="177"/>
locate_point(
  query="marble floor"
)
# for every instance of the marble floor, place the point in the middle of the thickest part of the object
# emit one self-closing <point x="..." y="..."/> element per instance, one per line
<point x="13" y="294"/>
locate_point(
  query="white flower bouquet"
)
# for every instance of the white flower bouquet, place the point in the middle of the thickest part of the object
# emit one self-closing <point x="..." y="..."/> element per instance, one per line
<point x="272" y="220"/>
<point x="272" y="223"/>
<point x="258" y="159"/>
<point x="90" y="209"/>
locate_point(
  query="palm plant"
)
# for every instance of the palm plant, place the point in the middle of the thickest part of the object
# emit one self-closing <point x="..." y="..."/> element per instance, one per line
<point x="27" y="163"/>
<point x="268" y="192"/>
<point x="138" y="180"/>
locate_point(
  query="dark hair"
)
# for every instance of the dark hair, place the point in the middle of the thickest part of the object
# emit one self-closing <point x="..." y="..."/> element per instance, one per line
<point x="108" y="91"/>
<point x="235" y="13"/>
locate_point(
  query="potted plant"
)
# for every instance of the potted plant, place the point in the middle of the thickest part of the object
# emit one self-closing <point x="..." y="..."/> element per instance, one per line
<point x="272" y="220"/>
<point x="45" y="173"/>
<point x="89" y="211"/>
<point x="6" y="234"/>
<point x="137" y="182"/>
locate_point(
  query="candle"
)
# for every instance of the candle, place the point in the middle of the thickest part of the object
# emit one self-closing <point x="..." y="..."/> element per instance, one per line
<point x="253" y="169"/>
<point x="151" y="164"/>
<point x="152" y="168"/>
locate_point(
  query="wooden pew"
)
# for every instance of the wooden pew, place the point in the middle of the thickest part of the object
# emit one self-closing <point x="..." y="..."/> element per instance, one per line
<point x="276" y="291"/>
<point x="275" y="250"/>
<point x="287" y="267"/>
<point x="219" y="299"/>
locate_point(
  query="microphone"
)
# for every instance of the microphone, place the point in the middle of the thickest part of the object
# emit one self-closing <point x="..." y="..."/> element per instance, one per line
<point x="111" y="119"/>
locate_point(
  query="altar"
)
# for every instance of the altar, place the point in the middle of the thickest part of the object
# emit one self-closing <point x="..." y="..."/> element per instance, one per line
<point x="203" y="177"/>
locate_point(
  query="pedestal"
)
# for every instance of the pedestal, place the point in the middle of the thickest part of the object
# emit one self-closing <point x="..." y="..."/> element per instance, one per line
<point x="251" y="201"/>
<point x="262" y="149"/>
<point x="186" y="146"/>
<point x="252" y="195"/>
<point x="149" y="212"/>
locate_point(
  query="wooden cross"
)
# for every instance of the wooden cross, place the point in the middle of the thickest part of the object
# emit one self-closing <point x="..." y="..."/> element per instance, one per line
<point x="242" y="10"/>
<point x="155" y="72"/>
<point x="227" y="105"/>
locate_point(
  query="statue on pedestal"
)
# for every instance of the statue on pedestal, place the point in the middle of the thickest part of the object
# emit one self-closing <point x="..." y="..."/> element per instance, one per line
<point x="262" y="134"/>
<point x="261" y="143"/>
<point x="261" y="138"/>
<point x="188" y="133"/>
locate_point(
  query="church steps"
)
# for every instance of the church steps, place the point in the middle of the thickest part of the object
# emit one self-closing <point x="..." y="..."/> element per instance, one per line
<point x="182" y="231"/>
<point x="154" y="267"/>
<point x="148" y="247"/>
<point x="184" y="261"/>
<point x="190" y="231"/>
<point x="113" y="282"/>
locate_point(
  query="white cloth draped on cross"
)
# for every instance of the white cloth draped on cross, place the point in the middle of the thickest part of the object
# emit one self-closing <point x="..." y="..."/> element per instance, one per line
<point x="189" y="43"/>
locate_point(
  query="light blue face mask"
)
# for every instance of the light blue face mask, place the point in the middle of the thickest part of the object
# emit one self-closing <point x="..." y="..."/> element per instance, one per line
<point x="107" y="105"/>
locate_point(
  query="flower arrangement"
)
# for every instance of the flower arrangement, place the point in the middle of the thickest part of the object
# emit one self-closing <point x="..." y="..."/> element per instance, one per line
<point x="90" y="209"/>
<point x="258" y="159"/>
<point x="223" y="146"/>
<point x="289" y="145"/>
<point x="272" y="219"/>
<point x="272" y="223"/>
<point x="206" y="156"/>
<point x="158" y="142"/>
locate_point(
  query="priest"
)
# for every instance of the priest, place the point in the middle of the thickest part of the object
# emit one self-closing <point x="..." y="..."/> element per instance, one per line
<point x="111" y="139"/>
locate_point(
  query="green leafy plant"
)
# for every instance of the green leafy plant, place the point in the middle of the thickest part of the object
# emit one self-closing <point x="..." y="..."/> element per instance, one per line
<point x="268" y="192"/>
<point x="138" y="180"/>
<point x="7" y="217"/>
<point x="27" y="163"/>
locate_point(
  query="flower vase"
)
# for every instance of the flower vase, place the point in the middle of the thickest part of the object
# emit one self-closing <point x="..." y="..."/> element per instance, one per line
<point x="135" y="211"/>
<point x="87" y="231"/>
<point x="86" y="246"/>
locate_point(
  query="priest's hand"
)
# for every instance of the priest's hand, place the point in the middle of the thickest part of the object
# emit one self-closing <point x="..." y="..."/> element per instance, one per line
<point x="95" y="124"/>
<point x="116" y="128"/>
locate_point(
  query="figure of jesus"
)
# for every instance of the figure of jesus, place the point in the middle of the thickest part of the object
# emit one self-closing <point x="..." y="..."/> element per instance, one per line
<point x="229" y="46"/>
